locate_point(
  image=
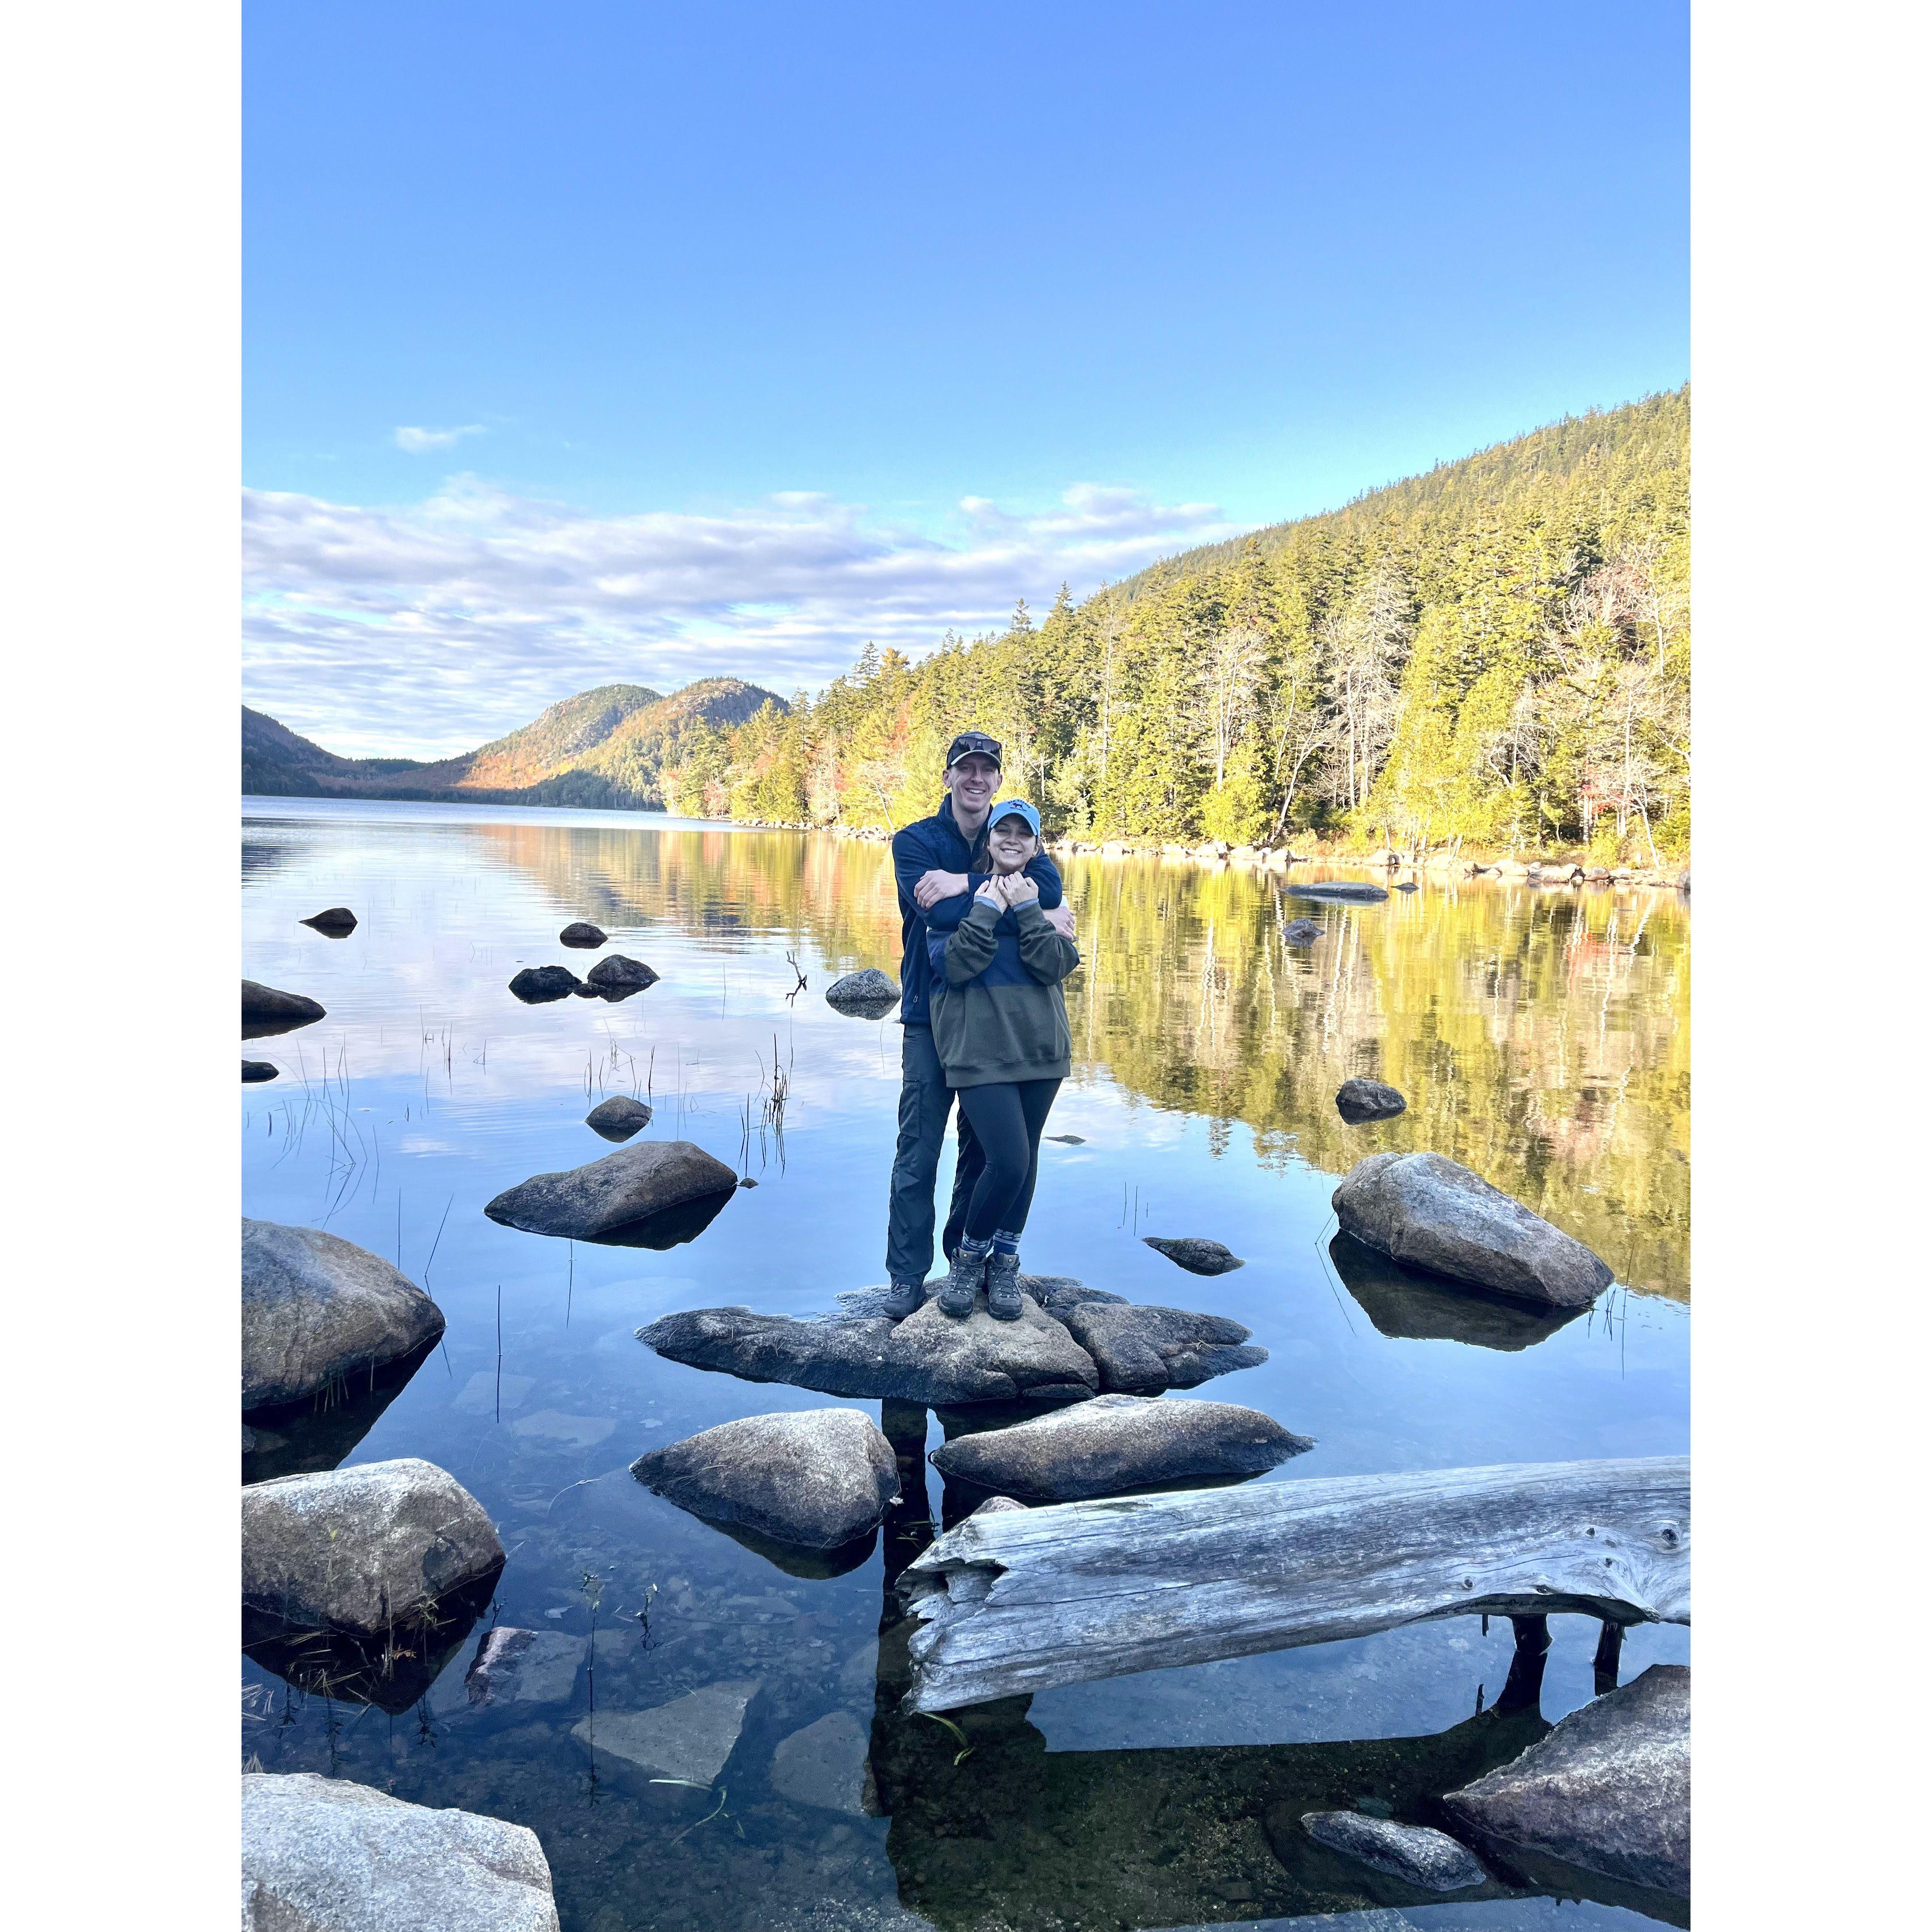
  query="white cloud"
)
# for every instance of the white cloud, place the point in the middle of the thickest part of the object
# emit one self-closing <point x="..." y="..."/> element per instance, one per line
<point x="420" y="441"/>
<point x="431" y="629"/>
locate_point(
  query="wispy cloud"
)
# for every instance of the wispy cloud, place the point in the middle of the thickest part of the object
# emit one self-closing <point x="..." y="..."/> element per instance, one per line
<point x="421" y="442"/>
<point x="430" y="629"/>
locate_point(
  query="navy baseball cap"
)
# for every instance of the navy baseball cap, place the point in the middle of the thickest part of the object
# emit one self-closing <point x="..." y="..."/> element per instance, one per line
<point x="1014" y="808"/>
<point x="974" y="744"/>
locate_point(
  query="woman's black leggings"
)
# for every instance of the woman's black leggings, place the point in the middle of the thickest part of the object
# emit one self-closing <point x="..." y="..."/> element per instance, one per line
<point x="1006" y="1120"/>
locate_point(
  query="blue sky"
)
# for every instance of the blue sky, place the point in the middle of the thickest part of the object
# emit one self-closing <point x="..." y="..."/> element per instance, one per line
<point x="588" y="341"/>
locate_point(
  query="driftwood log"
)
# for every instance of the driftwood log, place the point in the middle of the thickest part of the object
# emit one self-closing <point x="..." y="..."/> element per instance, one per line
<point x="1016" y="1601"/>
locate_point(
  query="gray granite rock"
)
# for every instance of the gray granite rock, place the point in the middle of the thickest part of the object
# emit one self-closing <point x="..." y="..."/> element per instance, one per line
<point x="254" y="1071"/>
<point x="1349" y="891"/>
<point x="1301" y="932"/>
<point x="1142" y="1351"/>
<point x="623" y="1187"/>
<point x="524" y="1666"/>
<point x="620" y="972"/>
<point x="267" y="1010"/>
<point x="824" y="1765"/>
<point x="580" y="932"/>
<point x="1609" y="1790"/>
<point x="1358" y="1101"/>
<point x="538" y="985"/>
<point x="338" y="921"/>
<point x="1118" y="1442"/>
<point x="1430" y="1861"/>
<point x="818" y="1478"/>
<point x="1195" y="1254"/>
<point x="323" y="1854"/>
<point x="619" y="1118"/>
<point x="360" y="1549"/>
<point x="927" y="1357"/>
<point x="1428" y="1212"/>
<point x="316" y="1310"/>
<point x="870" y="993"/>
<point x="687" y="1739"/>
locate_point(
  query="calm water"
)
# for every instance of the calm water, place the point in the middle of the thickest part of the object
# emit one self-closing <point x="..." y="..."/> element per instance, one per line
<point x="1540" y="1037"/>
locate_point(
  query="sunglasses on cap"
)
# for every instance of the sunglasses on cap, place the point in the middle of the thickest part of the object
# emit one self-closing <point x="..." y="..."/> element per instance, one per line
<point x="974" y="744"/>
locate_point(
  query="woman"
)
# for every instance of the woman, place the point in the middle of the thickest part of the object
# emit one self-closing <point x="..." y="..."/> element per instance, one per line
<point x="999" y="1026"/>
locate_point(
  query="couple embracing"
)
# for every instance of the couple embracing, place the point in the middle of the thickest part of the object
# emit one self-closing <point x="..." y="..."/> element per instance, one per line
<point x="988" y="942"/>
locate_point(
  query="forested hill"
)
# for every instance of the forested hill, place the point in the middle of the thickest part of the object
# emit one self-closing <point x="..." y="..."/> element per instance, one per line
<point x="1496" y="652"/>
<point x="602" y="748"/>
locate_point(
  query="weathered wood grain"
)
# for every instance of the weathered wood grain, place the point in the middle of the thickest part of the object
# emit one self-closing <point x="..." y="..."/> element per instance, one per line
<point x="1018" y="1601"/>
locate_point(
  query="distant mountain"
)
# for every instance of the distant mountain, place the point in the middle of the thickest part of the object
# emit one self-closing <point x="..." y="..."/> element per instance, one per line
<point x="605" y="748"/>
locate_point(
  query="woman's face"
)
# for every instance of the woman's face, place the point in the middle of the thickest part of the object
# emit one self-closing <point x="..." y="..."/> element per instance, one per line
<point x="1009" y="844"/>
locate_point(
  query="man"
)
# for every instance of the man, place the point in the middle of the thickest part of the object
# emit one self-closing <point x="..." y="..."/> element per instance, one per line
<point x="933" y="861"/>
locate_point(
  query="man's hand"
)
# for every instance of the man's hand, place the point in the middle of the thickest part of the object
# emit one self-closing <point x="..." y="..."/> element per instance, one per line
<point x="933" y="886"/>
<point x="1061" y="920"/>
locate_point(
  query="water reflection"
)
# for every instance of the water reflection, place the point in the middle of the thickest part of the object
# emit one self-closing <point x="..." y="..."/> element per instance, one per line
<point x="1412" y="1305"/>
<point x="320" y="1433"/>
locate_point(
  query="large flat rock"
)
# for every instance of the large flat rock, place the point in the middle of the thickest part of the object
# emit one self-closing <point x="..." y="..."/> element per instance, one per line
<point x="317" y="1310"/>
<point x="1142" y="1350"/>
<point x="928" y="1357"/>
<point x="1353" y="892"/>
<point x="824" y="1765"/>
<point x="361" y="1549"/>
<point x="818" y="1479"/>
<point x="1609" y="1790"/>
<point x="1119" y="1442"/>
<point x="323" y="1854"/>
<point x="1428" y="1212"/>
<point x="629" y="1185"/>
<point x="687" y="1740"/>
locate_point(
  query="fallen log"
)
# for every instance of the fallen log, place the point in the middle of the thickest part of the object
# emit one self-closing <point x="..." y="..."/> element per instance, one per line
<point x="1020" y="1601"/>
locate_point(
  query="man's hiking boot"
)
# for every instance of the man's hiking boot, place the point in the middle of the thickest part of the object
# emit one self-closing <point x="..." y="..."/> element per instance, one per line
<point x="904" y="1299"/>
<point x="962" y="1285"/>
<point x="1002" y="1287"/>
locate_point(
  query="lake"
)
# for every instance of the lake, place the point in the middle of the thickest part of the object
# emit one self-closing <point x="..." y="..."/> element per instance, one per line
<point x="1541" y="1036"/>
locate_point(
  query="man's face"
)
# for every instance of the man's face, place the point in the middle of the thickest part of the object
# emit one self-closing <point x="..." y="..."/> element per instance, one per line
<point x="971" y="781"/>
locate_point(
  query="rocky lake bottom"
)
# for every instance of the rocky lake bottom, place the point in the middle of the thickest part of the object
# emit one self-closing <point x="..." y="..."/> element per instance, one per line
<point x="1539" y="1036"/>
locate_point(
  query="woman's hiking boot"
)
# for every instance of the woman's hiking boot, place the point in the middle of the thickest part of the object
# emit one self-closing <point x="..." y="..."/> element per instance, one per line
<point x="962" y="1285"/>
<point x="1002" y="1287"/>
<point x="904" y="1299"/>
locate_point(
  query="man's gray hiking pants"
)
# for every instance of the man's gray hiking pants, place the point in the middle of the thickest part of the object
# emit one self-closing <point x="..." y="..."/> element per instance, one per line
<point x="924" y="1103"/>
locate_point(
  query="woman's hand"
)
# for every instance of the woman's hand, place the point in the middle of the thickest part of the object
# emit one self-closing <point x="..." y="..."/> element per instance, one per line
<point x="990" y="894"/>
<point x="1019" y="889"/>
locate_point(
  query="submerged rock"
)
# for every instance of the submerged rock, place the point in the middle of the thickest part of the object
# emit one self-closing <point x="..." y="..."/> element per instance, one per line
<point x="1609" y="1790"/>
<point x="1429" y="1212"/>
<point x="622" y="1188"/>
<point x="338" y="922"/>
<point x="266" y="1010"/>
<point x="254" y="1071"/>
<point x="1118" y="1442"/>
<point x="824" y="1765"/>
<point x="928" y="1357"/>
<point x="523" y="1666"/>
<point x="1430" y="1860"/>
<point x="316" y="1310"/>
<point x="619" y="1118"/>
<point x="1197" y="1255"/>
<point x="361" y="1549"/>
<point x="1358" y="1101"/>
<point x="538" y="985"/>
<point x="324" y="1855"/>
<point x="1142" y="1351"/>
<point x="687" y="1740"/>
<point x="620" y="973"/>
<point x="1355" y="892"/>
<point x="819" y="1479"/>
<point x="581" y="932"/>
<point x="1301" y="932"/>
<point x="870" y="993"/>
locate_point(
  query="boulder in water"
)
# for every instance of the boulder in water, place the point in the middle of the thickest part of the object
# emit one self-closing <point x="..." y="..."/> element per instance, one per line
<point x="619" y="1118"/>
<point x="580" y="932"/>
<point x="1359" y="1101"/>
<point x="317" y="1310"/>
<point x="1407" y="886"/>
<point x="1142" y="1351"/>
<point x="1195" y="1254"/>
<point x="1428" y="1212"/>
<point x="362" y="1550"/>
<point x="253" y="1071"/>
<point x="619" y="973"/>
<point x="538" y="985"/>
<point x="1118" y="1442"/>
<point x="324" y="1855"/>
<point x="1301" y="932"/>
<point x="1355" y="892"/>
<point x="584" y="1203"/>
<point x="268" y="1009"/>
<point x="337" y="922"/>
<point x="869" y="993"/>
<point x="1431" y="1861"/>
<point x="1609" y="1790"/>
<point x="819" y="1479"/>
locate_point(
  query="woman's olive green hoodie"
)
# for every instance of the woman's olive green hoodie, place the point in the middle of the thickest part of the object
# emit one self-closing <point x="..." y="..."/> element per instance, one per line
<point x="998" y="1014"/>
